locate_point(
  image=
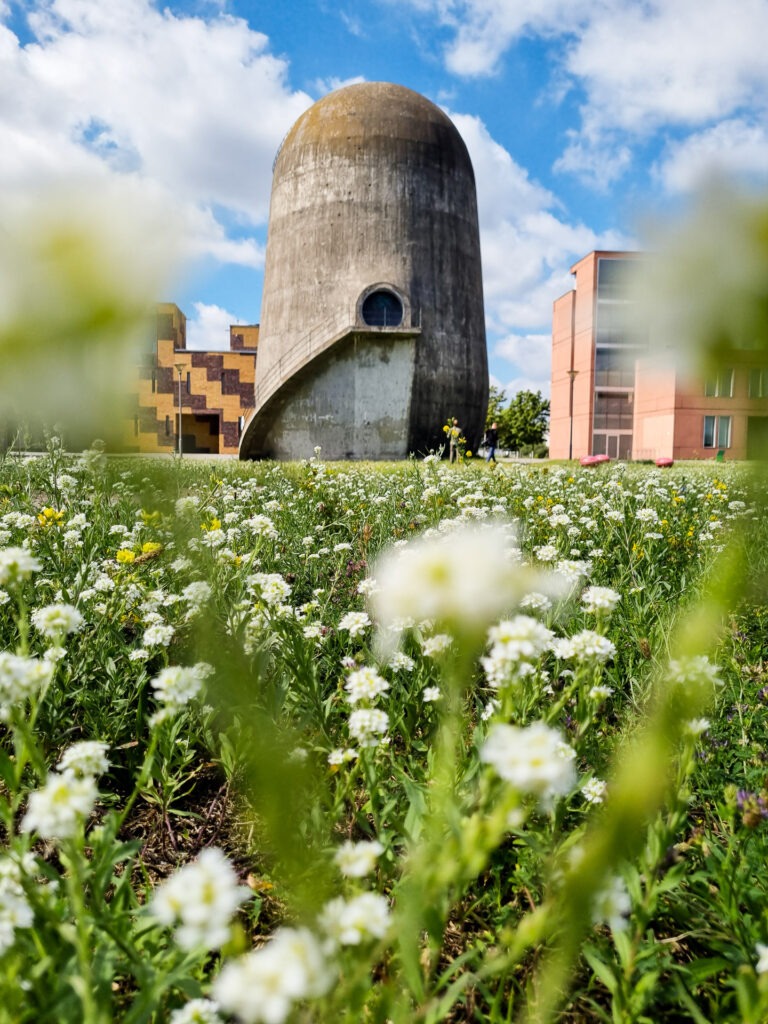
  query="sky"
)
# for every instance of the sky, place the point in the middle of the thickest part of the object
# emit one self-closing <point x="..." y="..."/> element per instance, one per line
<point x="584" y="123"/>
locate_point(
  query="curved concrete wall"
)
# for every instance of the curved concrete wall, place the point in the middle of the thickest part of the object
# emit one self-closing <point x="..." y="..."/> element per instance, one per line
<point x="373" y="186"/>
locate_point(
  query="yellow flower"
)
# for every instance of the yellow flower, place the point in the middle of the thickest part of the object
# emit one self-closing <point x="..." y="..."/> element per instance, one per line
<point x="213" y="524"/>
<point x="150" y="518"/>
<point x="125" y="556"/>
<point x="50" y="517"/>
<point x="468" y="455"/>
<point x="149" y="546"/>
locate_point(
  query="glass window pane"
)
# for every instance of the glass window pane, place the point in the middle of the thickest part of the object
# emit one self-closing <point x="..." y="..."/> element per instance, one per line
<point x="709" y="431"/>
<point x="726" y="383"/>
<point x="724" y="432"/>
<point x="710" y="387"/>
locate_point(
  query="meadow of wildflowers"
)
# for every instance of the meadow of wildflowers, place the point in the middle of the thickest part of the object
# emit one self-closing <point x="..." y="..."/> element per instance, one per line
<point x="405" y="743"/>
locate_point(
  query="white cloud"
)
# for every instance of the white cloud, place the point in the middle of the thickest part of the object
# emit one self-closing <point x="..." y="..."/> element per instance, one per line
<point x="641" y="67"/>
<point x="485" y="29"/>
<point x="196" y="107"/>
<point x="735" y="146"/>
<point x="209" y="327"/>
<point x="528" y="383"/>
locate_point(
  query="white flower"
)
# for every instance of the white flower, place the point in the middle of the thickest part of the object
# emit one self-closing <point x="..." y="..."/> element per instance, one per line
<point x="261" y="526"/>
<point x="200" y="900"/>
<point x="600" y="599"/>
<point x="586" y="646"/>
<point x="15" y="911"/>
<point x="88" y="757"/>
<point x="697" y="726"/>
<point x="262" y="986"/>
<point x="197" y="1011"/>
<point x="352" y="922"/>
<point x="401" y="662"/>
<point x="20" y="679"/>
<point x="339" y="756"/>
<point x="139" y="654"/>
<point x="57" y="620"/>
<point x="430" y="694"/>
<point x="612" y="905"/>
<point x="535" y="602"/>
<point x="355" y="860"/>
<point x="16" y="565"/>
<point x="531" y="759"/>
<point x="365" y="684"/>
<point x="762" y="958"/>
<point x="344" y="546"/>
<point x="177" y="685"/>
<point x="270" y="587"/>
<point x="368" y="725"/>
<point x="354" y="623"/>
<point x="594" y="791"/>
<point x="158" y="636"/>
<point x="461" y="580"/>
<point x="197" y="594"/>
<point x="57" y="810"/>
<point x="600" y="692"/>
<point x="698" y="670"/>
<point x="433" y="645"/>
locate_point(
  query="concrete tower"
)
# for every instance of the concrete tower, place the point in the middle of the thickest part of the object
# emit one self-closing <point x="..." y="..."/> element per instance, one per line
<point x="372" y="327"/>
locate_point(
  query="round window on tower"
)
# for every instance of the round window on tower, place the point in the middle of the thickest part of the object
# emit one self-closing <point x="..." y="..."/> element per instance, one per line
<point x="382" y="309"/>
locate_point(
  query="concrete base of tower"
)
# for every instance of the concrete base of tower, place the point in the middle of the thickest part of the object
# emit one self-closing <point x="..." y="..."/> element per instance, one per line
<point x="355" y="403"/>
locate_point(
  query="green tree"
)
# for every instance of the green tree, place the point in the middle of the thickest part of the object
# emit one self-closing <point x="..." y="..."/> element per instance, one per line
<point x="496" y="400"/>
<point x="526" y="419"/>
<point x="522" y="423"/>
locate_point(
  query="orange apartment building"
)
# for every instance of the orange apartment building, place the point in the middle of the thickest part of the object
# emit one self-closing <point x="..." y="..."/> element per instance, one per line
<point x="611" y="396"/>
<point x="216" y="389"/>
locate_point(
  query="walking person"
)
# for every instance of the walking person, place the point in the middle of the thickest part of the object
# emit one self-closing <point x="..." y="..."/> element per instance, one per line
<point x="491" y="442"/>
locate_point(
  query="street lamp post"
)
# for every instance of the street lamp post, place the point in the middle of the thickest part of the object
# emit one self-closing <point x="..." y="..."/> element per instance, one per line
<point x="179" y="368"/>
<point x="571" y="376"/>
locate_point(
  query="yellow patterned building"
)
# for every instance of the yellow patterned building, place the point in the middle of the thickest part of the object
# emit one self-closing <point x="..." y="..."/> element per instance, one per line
<point x="214" y="388"/>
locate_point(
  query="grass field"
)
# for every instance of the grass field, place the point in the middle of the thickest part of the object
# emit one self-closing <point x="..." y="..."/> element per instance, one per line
<point x="319" y="742"/>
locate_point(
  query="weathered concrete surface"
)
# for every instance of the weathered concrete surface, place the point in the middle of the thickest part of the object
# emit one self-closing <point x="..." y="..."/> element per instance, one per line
<point x="373" y="187"/>
<point x="355" y="404"/>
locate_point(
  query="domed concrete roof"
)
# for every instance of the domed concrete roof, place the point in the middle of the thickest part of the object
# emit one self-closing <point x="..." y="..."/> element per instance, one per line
<point x="358" y="116"/>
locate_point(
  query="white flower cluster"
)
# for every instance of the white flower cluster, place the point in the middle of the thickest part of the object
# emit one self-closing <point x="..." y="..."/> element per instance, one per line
<point x="600" y="600"/>
<point x="20" y="680"/>
<point x="15" y="911"/>
<point x="698" y="670"/>
<point x="354" y="921"/>
<point x="177" y="685"/>
<point x="354" y="623"/>
<point x="585" y="647"/>
<point x="534" y="759"/>
<point x="517" y="644"/>
<point x="263" y="986"/>
<point x="367" y="726"/>
<point x="365" y="684"/>
<point x="355" y="860"/>
<point x="270" y="587"/>
<point x="461" y="581"/>
<point x="17" y="565"/>
<point x="87" y="757"/>
<point x="58" y="809"/>
<point x="56" y="621"/>
<point x="200" y="900"/>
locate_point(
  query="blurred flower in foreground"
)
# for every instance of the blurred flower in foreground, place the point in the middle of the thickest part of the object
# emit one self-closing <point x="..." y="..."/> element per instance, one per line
<point x="704" y="292"/>
<point x="461" y="581"/>
<point x="81" y="267"/>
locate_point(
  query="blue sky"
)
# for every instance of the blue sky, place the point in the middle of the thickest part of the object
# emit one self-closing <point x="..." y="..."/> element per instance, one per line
<point x="583" y="122"/>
